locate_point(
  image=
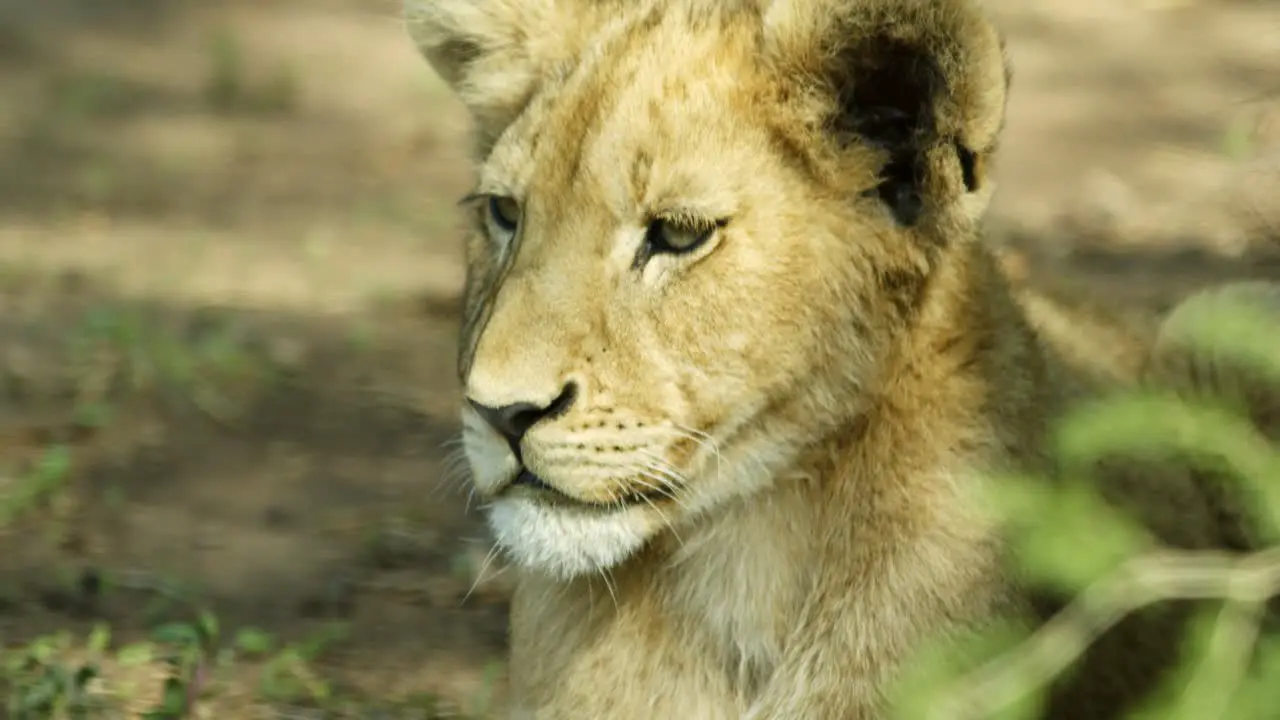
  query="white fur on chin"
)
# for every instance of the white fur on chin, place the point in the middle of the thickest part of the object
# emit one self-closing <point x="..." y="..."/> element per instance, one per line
<point x="566" y="542"/>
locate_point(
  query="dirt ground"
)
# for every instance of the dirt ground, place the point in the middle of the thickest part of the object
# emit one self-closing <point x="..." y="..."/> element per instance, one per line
<point x="229" y="268"/>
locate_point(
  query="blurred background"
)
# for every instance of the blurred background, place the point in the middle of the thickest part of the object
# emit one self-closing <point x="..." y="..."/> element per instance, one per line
<point x="229" y="271"/>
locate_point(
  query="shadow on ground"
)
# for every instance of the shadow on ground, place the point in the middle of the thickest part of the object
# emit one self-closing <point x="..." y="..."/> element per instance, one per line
<point x="272" y="468"/>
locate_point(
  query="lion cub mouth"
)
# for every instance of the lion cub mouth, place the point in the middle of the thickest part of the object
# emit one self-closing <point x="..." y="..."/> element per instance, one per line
<point x="529" y="484"/>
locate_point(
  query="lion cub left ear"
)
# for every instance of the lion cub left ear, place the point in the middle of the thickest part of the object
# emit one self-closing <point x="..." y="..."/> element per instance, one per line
<point x="922" y="81"/>
<point x="493" y="53"/>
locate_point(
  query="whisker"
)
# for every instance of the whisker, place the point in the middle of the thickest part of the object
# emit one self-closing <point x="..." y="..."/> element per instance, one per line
<point x="454" y="460"/>
<point x="455" y="477"/>
<point x="665" y="482"/>
<point x="661" y="464"/>
<point x="666" y="521"/>
<point x="608" y="584"/>
<point x="484" y="566"/>
<point x="706" y="441"/>
<point x="668" y="472"/>
<point x="456" y="469"/>
<point x="658" y="484"/>
<point x="711" y="444"/>
<point x="694" y="432"/>
<point x="668" y="485"/>
<point x="454" y="473"/>
<point x="702" y="439"/>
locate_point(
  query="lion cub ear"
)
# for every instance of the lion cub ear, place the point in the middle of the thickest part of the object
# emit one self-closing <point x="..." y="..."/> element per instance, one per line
<point x="923" y="81"/>
<point x="493" y="52"/>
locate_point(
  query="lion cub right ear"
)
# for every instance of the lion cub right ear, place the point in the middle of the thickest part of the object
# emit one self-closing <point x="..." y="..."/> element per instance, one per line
<point x="492" y="53"/>
<point x="923" y="81"/>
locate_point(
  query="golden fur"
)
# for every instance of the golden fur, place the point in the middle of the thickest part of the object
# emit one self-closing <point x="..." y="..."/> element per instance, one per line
<point x="726" y="293"/>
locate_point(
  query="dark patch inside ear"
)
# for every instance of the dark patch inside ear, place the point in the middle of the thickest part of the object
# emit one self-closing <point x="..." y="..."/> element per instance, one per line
<point x="886" y="95"/>
<point x="968" y="167"/>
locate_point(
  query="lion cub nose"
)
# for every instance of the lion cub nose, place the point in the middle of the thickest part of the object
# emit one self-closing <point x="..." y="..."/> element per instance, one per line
<point x="514" y="421"/>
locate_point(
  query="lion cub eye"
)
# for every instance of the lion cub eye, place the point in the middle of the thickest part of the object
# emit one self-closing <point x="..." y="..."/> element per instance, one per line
<point x="505" y="212"/>
<point x="678" y="235"/>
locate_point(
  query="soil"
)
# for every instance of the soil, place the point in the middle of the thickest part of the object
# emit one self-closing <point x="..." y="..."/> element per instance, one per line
<point x="229" y="271"/>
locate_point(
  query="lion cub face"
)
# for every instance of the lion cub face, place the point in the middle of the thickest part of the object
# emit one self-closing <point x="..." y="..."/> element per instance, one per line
<point x="683" y="263"/>
<point x="659" y="286"/>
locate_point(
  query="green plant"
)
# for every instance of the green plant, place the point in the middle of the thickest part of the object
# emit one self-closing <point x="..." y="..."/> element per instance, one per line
<point x="122" y="350"/>
<point x="1238" y="138"/>
<point x="289" y="676"/>
<point x="1112" y="568"/>
<point x="229" y="87"/>
<point x="38" y="684"/>
<point x="48" y="475"/>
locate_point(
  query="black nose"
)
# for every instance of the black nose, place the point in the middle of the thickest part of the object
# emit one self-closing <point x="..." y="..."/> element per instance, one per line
<point x="513" y="421"/>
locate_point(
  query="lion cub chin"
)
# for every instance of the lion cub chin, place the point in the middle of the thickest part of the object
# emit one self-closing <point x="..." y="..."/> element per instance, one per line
<point x="736" y="359"/>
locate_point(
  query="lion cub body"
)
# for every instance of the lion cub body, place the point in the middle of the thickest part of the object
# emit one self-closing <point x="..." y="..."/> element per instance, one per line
<point x="736" y="360"/>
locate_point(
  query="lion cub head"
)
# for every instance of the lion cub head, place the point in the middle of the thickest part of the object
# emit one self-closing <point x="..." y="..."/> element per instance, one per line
<point x="698" y="229"/>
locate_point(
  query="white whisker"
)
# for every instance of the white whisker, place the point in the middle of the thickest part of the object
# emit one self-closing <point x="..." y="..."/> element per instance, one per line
<point x="488" y="558"/>
<point x="646" y="476"/>
<point x="608" y="584"/>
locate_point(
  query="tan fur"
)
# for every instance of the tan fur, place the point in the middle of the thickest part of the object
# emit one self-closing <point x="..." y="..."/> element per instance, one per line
<point x="1093" y="340"/>
<point x="815" y="392"/>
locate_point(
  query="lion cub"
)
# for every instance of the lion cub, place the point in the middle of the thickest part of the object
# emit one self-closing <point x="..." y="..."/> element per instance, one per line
<point x="735" y="357"/>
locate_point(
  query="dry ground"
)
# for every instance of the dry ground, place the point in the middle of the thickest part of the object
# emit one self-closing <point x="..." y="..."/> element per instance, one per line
<point x="228" y="275"/>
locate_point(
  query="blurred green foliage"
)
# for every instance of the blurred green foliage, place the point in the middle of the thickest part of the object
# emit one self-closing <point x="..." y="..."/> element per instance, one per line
<point x="1103" y="558"/>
